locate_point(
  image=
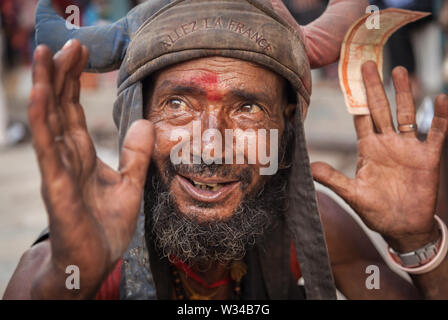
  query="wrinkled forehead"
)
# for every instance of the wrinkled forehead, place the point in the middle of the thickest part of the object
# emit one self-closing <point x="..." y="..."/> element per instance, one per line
<point x="216" y="76"/>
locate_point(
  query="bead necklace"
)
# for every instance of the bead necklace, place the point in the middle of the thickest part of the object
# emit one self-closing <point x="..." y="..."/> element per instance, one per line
<point x="181" y="271"/>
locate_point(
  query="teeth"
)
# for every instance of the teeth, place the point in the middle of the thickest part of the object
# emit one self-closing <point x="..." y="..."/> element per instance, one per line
<point x="207" y="186"/>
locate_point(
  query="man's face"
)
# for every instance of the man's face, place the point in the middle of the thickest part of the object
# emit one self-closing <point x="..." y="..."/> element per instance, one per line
<point x="217" y="93"/>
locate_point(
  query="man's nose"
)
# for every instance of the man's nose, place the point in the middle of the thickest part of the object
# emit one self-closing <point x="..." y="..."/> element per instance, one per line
<point x="212" y="118"/>
<point x="214" y="124"/>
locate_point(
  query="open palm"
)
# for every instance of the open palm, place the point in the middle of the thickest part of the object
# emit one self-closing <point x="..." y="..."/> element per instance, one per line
<point x="92" y="208"/>
<point x="395" y="188"/>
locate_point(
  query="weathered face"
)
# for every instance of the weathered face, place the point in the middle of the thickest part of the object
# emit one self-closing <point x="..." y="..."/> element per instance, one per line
<point x="217" y="93"/>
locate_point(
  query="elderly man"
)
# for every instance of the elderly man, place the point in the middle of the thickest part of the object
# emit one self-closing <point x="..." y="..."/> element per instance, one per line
<point x="211" y="227"/>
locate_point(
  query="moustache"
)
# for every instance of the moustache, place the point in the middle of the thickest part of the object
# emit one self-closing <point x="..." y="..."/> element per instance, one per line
<point x="243" y="174"/>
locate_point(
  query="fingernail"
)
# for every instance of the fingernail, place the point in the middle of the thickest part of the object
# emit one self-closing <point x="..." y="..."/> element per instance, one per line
<point x="68" y="44"/>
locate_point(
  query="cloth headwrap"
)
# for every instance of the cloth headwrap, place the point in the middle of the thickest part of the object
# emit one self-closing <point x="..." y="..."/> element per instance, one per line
<point x="161" y="33"/>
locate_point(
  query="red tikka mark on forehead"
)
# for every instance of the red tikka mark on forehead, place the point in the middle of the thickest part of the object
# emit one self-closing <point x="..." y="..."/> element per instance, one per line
<point x="209" y="82"/>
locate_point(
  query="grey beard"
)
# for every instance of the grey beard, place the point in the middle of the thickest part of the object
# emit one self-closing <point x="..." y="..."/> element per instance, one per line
<point x="186" y="239"/>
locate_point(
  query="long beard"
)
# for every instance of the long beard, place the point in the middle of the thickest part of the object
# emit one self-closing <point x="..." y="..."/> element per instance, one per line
<point x="185" y="238"/>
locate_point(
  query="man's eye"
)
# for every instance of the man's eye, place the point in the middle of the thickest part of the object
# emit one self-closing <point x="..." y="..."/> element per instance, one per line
<point x="176" y="104"/>
<point x="250" y="108"/>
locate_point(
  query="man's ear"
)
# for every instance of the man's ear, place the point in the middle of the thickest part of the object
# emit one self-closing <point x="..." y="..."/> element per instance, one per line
<point x="290" y="111"/>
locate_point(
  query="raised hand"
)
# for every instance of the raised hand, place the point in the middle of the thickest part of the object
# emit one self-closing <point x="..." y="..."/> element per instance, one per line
<point x="92" y="209"/>
<point x="397" y="177"/>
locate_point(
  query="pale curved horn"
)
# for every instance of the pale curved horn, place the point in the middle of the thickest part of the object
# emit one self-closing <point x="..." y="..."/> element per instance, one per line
<point x="324" y="36"/>
<point x="107" y="44"/>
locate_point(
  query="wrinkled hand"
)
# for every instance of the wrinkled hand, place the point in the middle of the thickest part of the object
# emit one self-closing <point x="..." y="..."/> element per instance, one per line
<point x="395" y="188"/>
<point x="92" y="208"/>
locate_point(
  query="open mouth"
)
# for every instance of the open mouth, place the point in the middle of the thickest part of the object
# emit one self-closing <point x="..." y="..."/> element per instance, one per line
<point x="208" y="186"/>
<point x="207" y="189"/>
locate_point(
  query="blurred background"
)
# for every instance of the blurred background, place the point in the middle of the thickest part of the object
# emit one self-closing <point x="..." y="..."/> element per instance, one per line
<point x="420" y="47"/>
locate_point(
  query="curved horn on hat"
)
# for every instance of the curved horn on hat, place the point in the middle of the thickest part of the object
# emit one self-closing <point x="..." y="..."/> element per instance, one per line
<point x="107" y="43"/>
<point x="324" y="36"/>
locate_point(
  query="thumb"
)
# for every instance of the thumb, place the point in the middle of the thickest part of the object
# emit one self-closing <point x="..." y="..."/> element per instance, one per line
<point x="136" y="152"/>
<point x="333" y="179"/>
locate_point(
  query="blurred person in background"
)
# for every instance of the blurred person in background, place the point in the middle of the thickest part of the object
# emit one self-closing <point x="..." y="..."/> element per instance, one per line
<point x="16" y="45"/>
<point x="18" y="27"/>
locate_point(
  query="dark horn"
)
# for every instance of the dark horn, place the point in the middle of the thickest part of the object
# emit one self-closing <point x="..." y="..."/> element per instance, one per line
<point x="107" y="44"/>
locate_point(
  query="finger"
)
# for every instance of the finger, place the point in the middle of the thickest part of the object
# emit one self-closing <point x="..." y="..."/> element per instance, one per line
<point x="79" y="139"/>
<point x="333" y="179"/>
<point x="43" y="140"/>
<point x="79" y="69"/>
<point x="363" y="126"/>
<point x="437" y="133"/>
<point x="376" y="97"/>
<point x="404" y="99"/>
<point x="74" y="114"/>
<point x="55" y="180"/>
<point x="43" y="69"/>
<point x="42" y="65"/>
<point x="136" y="153"/>
<point x="64" y="60"/>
